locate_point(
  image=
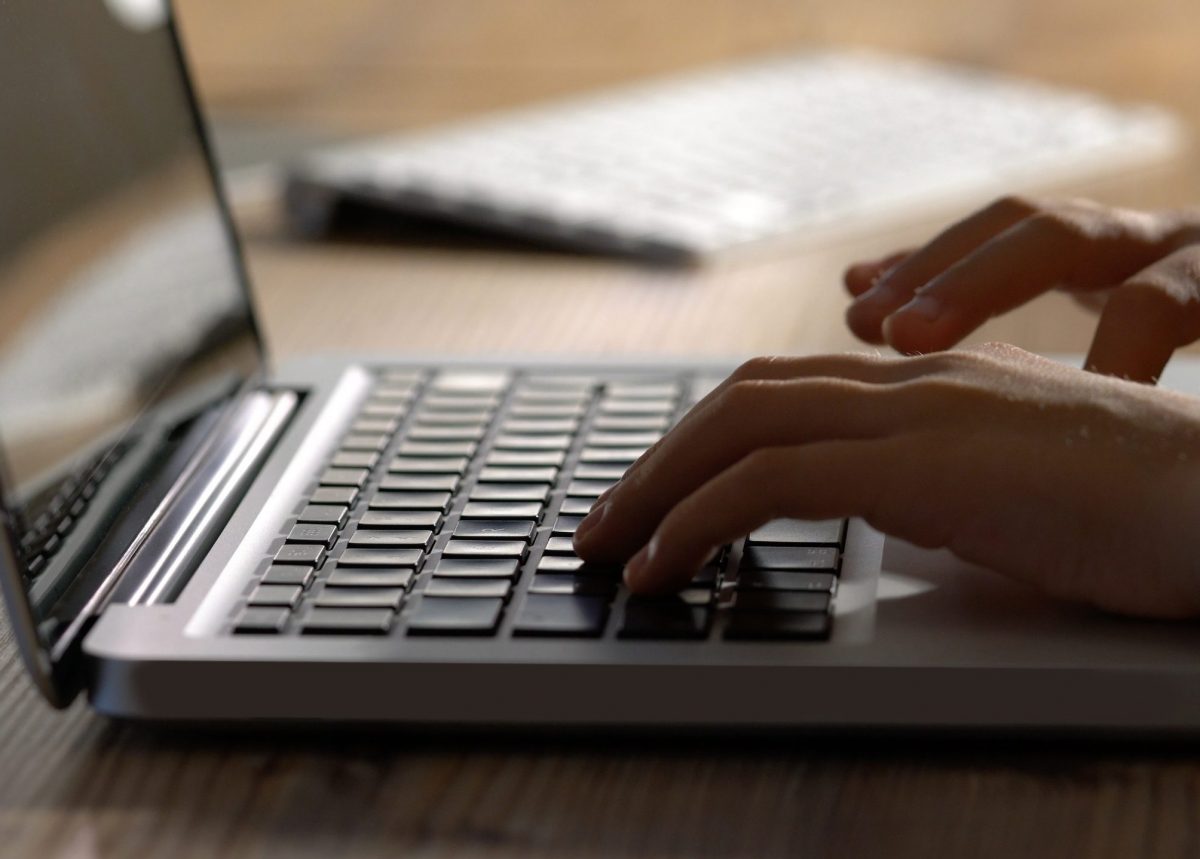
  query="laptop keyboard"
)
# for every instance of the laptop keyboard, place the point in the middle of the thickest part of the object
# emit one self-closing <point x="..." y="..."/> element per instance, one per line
<point x="448" y="510"/>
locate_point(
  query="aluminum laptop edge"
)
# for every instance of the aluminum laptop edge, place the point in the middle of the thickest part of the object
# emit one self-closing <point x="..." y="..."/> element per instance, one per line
<point x="153" y="468"/>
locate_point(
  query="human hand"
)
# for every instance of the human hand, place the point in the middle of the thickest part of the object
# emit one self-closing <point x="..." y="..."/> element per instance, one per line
<point x="1085" y="486"/>
<point x="1142" y="267"/>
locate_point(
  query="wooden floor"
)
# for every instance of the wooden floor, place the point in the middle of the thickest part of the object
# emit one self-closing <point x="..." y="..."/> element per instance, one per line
<point x="73" y="785"/>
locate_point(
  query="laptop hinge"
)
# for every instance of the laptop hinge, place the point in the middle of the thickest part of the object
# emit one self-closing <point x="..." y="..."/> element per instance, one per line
<point x="159" y="562"/>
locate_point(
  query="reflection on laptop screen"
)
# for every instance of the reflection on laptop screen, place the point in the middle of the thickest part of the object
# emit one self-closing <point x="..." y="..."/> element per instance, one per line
<point x="120" y="291"/>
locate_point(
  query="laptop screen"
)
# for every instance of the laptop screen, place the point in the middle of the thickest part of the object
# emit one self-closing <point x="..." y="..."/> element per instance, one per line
<point x="121" y="291"/>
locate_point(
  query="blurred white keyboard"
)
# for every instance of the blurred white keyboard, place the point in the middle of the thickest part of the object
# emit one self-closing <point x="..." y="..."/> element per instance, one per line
<point x="692" y="165"/>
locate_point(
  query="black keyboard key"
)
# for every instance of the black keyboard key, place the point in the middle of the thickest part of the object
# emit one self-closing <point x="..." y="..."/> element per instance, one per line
<point x="570" y="583"/>
<point x="631" y="423"/>
<point x="420" y="482"/>
<point x="660" y="390"/>
<point x="507" y="474"/>
<point x="355" y="477"/>
<point x="526" y="457"/>
<point x="354" y="459"/>
<point x="457" y="440"/>
<point x="442" y="403"/>
<point x="347" y="621"/>
<point x="621" y="439"/>
<point x="477" y="568"/>
<point x="782" y="601"/>
<point x="288" y="575"/>
<point x="789" y="558"/>
<point x="494" y="529"/>
<point x="472" y="588"/>
<point x="511" y="492"/>
<point x="612" y="455"/>
<point x="261" y="621"/>
<point x="786" y="580"/>
<point x="663" y="617"/>
<point x="320" y="535"/>
<point x="517" y="441"/>
<point x="287" y="596"/>
<point x="343" y="597"/>
<point x="401" y="519"/>
<point x="455" y="616"/>
<point x="439" y="501"/>
<point x="613" y="406"/>
<point x="545" y="614"/>
<point x="429" y="465"/>
<point x="366" y="578"/>
<point x="572" y="564"/>
<point x="294" y="553"/>
<point x="341" y="495"/>
<point x="475" y="421"/>
<point x="503" y="510"/>
<point x="375" y="425"/>
<point x="372" y="441"/>
<point x="560" y="546"/>
<point x="566" y="524"/>
<point x="577" y="506"/>
<point x="547" y="410"/>
<point x="379" y="538"/>
<point x="589" y="488"/>
<point x="794" y="532"/>
<point x="435" y="449"/>
<point x="610" y="473"/>
<point x="539" y="426"/>
<point x="777" y="625"/>
<point x="380" y="558"/>
<point x="485" y="549"/>
<point x="324" y="514"/>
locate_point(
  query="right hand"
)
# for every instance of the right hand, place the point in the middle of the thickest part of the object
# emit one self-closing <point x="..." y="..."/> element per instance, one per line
<point x="1143" y="268"/>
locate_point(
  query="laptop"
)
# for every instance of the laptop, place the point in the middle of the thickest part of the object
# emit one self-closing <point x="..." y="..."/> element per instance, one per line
<point x="189" y="535"/>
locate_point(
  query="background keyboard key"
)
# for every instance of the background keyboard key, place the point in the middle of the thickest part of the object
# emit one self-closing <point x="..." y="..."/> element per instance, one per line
<point x="421" y="519"/>
<point x="786" y="580"/>
<point x="369" y="578"/>
<point x="494" y="529"/>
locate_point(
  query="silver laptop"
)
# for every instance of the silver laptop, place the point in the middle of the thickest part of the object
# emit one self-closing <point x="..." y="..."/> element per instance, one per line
<point x="189" y="537"/>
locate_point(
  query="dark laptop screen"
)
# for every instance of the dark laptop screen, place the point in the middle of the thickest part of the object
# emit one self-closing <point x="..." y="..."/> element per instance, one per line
<point x="121" y="292"/>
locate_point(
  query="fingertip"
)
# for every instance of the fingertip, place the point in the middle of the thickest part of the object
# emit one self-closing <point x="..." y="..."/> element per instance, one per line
<point x="865" y="323"/>
<point x="860" y="277"/>
<point x="922" y="325"/>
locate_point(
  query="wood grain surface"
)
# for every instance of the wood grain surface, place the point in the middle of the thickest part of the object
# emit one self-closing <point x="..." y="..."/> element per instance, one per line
<point x="74" y="785"/>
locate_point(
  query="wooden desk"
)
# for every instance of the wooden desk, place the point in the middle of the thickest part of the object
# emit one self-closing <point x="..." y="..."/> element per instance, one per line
<point x="73" y="785"/>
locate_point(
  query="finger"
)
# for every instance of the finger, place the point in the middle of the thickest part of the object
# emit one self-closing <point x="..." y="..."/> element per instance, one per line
<point x="746" y="417"/>
<point x="870" y="368"/>
<point x="1081" y="247"/>
<point x="1147" y="318"/>
<point x="862" y="276"/>
<point x="865" y="316"/>
<point x="827" y="480"/>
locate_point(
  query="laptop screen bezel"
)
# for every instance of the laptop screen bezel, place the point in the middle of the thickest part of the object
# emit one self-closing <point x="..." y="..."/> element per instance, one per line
<point x="60" y="680"/>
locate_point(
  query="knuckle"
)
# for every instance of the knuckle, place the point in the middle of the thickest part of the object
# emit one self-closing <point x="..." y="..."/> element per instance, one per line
<point x="1016" y="205"/>
<point x="754" y="368"/>
<point x="741" y="396"/>
<point x="1063" y="228"/>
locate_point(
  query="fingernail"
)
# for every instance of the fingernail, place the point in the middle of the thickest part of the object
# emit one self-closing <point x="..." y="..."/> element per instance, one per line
<point x="591" y="520"/>
<point x="923" y="306"/>
<point x="636" y="567"/>
<point x="881" y="289"/>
